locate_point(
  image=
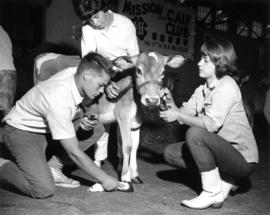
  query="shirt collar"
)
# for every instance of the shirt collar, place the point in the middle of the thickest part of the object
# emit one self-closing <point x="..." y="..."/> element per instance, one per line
<point x="114" y="24"/>
<point x="75" y="92"/>
<point x="212" y="85"/>
<point x="207" y="89"/>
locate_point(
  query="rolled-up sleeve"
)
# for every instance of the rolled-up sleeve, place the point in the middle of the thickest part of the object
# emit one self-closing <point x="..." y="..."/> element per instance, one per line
<point x="88" y="43"/>
<point x="133" y="47"/>
<point x="218" y="107"/>
<point x="190" y="107"/>
<point x="60" y="122"/>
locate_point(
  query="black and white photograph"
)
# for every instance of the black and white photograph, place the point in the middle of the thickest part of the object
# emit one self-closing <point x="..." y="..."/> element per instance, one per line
<point x="134" y="107"/>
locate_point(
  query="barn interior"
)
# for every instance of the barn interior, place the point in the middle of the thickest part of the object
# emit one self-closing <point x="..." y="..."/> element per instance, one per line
<point x="38" y="26"/>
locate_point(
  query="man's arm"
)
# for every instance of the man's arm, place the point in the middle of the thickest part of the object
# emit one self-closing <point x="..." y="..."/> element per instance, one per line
<point x="133" y="47"/>
<point x="86" y="164"/>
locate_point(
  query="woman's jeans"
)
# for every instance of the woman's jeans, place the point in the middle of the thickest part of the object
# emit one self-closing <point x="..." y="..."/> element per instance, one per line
<point x="28" y="170"/>
<point x="204" y="151"/>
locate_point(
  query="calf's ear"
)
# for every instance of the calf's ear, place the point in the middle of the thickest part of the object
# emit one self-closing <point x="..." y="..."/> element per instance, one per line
<point x="174" y="61"/>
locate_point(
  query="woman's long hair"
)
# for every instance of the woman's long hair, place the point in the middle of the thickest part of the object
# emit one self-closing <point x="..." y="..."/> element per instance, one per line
<point x="222" y="54"/>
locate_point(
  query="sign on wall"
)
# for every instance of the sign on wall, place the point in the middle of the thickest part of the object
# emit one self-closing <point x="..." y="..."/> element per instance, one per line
<point x="165" y="27"/>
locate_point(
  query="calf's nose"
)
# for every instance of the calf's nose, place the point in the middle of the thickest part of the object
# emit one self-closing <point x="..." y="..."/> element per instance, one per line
<point x="152" y="101"/>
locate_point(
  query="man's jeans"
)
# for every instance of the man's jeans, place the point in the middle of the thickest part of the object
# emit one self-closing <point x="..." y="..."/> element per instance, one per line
<point x="204" y="150"/>
<point x="28" y="170"/>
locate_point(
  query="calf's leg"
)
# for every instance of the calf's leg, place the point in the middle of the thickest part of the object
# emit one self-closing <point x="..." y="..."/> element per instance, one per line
<point x="125" y="131"/>
<point x="135" y="135"/>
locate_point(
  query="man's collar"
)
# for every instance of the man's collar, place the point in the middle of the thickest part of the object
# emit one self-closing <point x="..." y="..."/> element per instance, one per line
<point x="113" y="24"/>
<point x="75" y="92"/>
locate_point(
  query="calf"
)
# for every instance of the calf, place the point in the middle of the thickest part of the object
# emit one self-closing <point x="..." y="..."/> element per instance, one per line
<point x="145" y="82"/>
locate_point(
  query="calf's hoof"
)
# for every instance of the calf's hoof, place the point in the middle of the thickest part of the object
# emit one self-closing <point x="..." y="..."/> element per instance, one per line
<point x="136" y="180"/>
<point x="125" y="187"/>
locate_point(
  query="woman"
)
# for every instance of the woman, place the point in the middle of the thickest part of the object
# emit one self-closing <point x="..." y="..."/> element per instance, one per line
<point x="220" y="139"/>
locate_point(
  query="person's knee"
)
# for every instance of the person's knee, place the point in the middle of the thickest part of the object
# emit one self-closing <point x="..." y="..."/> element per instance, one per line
<point x="173" y="155"/>
<point x="170" y="153"/>
<point x="194" y="134"/>
<point x="167" y="154"/>
<point x="42" y="191"/>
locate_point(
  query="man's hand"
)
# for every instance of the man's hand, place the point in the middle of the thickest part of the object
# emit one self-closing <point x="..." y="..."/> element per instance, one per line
<point x="112" y="90"/>
<point x="88" y="123"/>
<point x="85" y="163"/>
<point x="122" y="63"/>
<point x="109" y="183"/>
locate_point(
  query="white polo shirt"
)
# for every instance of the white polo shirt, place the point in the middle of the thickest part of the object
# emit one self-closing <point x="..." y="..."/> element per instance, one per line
<point x="221" y="109"/>
<point x="119" y="40"/>
<point x="6" y="59"/>
<point x="48" y="107"/>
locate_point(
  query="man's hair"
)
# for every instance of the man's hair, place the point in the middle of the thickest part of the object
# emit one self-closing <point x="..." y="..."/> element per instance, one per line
<point x="222" y="54"/>
<point x="96" y="63"/>
<point x="85" y="9"/>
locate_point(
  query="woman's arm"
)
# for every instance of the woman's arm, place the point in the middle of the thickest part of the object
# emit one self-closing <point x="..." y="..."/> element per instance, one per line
<point x="173" y="114"/>
<point x="213" y="113"/>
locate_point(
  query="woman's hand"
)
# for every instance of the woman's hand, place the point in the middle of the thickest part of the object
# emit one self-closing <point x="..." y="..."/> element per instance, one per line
<point x="170" y="115"/>
<point x="112" y="90"/>
<point x="167" y="99"/>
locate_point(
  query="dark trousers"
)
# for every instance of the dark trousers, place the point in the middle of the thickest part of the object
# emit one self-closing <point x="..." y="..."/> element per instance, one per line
<point x="28" y="170"/>
<point x="203" y="151"/>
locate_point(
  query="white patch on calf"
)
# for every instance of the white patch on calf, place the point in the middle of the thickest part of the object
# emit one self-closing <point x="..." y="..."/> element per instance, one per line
<point x="47" y="56"/>
<point x="153" y="54"/>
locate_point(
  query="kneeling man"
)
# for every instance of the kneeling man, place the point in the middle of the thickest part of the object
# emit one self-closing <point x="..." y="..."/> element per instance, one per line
<point x="45" y="113"/>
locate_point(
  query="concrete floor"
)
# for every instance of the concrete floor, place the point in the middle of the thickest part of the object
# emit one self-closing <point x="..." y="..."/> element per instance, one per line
<point x="163" y="189"/>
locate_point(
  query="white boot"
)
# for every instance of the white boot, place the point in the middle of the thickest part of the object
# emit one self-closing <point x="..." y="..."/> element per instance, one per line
<point x="211" y="195"/>
<point x="227" y="187"/>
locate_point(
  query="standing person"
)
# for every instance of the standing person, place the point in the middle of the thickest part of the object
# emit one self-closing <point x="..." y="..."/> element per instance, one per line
<point x="8" y="75"/>
<point x="266" y="108"/>
<point x="110" y="34"/>
<point x="45" y="113"/>
<point x="219" y="141"/>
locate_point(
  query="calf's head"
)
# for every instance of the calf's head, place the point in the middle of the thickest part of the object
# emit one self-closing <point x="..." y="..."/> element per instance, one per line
<point x="150" y="70"/>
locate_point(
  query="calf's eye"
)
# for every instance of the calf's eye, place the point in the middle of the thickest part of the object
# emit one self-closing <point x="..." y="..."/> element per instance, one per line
<point x="139" y="71"/>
